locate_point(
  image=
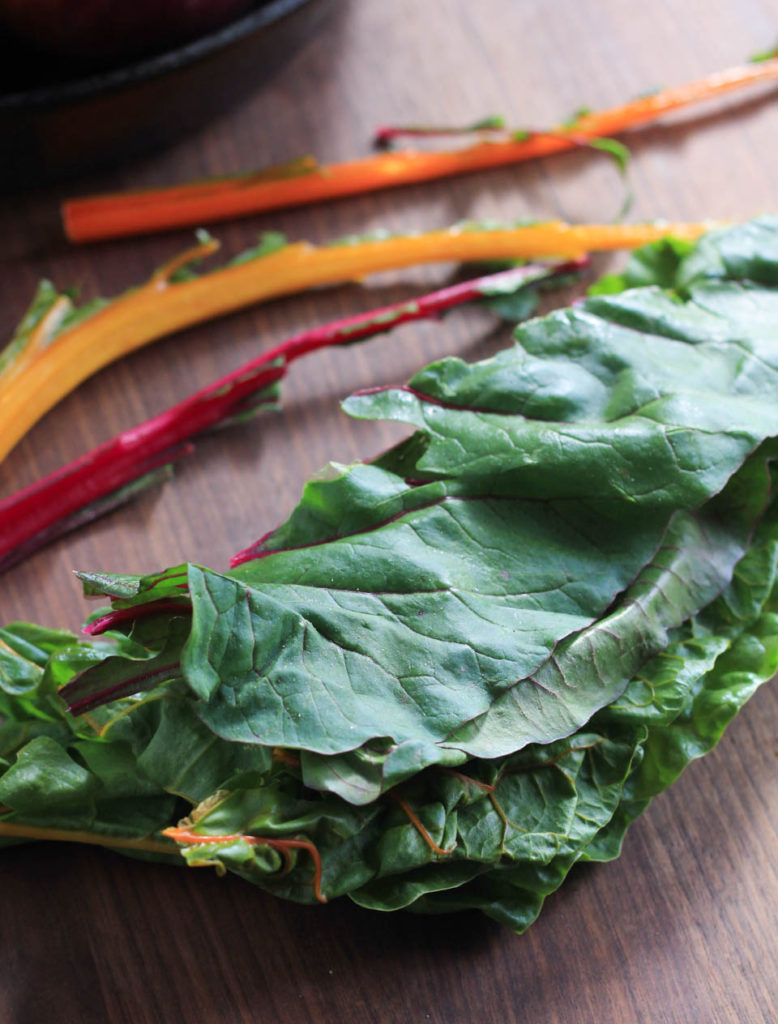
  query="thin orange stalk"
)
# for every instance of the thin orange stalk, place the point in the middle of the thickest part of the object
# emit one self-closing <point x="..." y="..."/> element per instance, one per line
<point x="187" y="837"/>
<point x="415" y="820"/>
<point x="490" y="791"/>
<point x="486" y="787"/>
<point x="110" y="216"/>
<point x="161" y="306"/>
<point x="282" y="756"/>
<point x="551" y="762"/>
<point x="14" y="830"/>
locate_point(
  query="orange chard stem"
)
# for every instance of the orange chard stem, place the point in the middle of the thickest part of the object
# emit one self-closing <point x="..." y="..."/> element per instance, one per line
<point x="186" y="837"/>
<point x="282" y="756"/>
<point x="467" y="779"/>
<point x="110" y="216"/>
<point x="490" y="792"/>
<point x="161" y="306"/>
<point x="417" y="824"/>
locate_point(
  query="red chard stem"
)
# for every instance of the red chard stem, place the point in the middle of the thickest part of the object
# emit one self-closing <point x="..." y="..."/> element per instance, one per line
<point x="119" y="616"/>
<point x="387" y="134"/>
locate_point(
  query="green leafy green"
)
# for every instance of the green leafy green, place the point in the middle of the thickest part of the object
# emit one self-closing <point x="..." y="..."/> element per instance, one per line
<point x="654" y="264"/>
<point x="460" y="669"/>
<point x="43" y="301"/>
<point x="758" y="58"/>
<point x="269" y="242"/>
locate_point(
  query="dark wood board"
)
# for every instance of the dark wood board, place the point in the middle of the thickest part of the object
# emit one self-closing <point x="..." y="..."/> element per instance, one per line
<point x="683" y="927"/>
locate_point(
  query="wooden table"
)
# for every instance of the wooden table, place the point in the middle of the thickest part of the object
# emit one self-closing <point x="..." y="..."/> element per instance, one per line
<point x="683" y="928"/>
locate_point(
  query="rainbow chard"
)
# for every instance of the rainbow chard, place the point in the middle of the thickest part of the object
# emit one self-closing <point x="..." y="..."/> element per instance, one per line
<point x="457" y="670"/>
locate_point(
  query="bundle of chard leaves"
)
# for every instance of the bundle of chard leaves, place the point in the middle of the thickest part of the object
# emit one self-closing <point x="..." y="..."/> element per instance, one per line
<point x="459" y="669"/>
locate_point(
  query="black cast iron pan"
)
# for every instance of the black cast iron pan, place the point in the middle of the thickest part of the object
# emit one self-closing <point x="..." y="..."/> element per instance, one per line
<point x="58" y="120"/>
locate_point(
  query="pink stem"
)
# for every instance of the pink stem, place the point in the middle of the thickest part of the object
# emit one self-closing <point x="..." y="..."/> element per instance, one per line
<point x="366" y="325"/>
<point x="121" y="615"/>
<point x="387" y="134"/>
<point x="34" y="511"/>
<point x="77" y="705"/>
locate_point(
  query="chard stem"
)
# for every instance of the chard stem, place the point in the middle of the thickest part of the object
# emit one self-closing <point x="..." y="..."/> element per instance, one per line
<point x="115" y="215"/>
<point x="417" y="824"/>
<point x="14" y="830"/>
<point x="186" y="837"/>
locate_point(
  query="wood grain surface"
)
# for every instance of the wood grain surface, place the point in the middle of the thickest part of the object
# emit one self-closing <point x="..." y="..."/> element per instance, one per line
<point x="684" y="927"/>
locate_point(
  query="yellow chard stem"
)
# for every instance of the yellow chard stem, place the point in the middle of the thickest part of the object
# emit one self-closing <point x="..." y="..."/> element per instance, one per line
<point x="13" y="830"/>
<point x="162" y="306"/>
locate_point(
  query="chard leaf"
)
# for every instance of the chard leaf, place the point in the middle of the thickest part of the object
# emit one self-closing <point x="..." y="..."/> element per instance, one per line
<point x="126" y="591"/>
<point x="45" y="298"/>
<point x="183" y="757"/>
<point x="269" y="242"/>
<point x="656" y="263"/>
<point x="418" y="624"/>
<point x="46" y="785"/>
<point x="590" y="668"/>
<point x="515" y="307"/>
<point x="514" y="827"/>
<point x="639" y="397"/>
<point x="130" y="672"/>
<point x="758" y="58"/>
